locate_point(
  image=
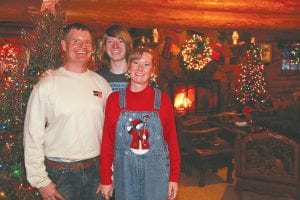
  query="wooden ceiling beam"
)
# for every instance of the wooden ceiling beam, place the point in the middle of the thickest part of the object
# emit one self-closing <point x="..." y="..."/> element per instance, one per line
<point x="176" y="14"/>
<point x="189" y="19"/>
<point x="266" y="6"/>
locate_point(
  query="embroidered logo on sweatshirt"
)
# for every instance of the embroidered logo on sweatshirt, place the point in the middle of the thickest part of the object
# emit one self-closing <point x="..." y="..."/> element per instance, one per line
<point x="97" y="93"/>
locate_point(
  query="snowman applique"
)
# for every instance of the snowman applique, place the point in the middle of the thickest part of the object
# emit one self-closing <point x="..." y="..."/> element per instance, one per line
<point x="140" y="135"/>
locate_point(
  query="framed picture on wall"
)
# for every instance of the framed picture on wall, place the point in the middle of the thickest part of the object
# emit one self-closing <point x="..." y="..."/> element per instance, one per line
<point x="266" y="52"/>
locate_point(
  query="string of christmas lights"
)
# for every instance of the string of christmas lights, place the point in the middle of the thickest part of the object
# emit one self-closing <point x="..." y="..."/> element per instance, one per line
<point x="196" y="53"/>
<point x="12" y="172"/>
<point x="12" y="86"/>
<point x="43" y="43"/>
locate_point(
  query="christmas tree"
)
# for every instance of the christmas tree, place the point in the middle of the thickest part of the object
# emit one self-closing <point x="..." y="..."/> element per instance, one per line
<point x="251" y="85"/>
<point x="12" y="87"/>
<point x="20" y="70"/>
<point x="43" y="44"/>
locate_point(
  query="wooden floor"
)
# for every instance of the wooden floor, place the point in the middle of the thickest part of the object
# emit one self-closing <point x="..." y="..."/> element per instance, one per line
<point x="215" y="189"/>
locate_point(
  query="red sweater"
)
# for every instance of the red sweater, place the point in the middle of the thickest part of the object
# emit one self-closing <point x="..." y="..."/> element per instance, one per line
<point x="138" y="101"/>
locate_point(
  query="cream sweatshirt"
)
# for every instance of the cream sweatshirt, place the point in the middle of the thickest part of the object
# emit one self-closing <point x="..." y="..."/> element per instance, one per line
<point x="64" y="121"/>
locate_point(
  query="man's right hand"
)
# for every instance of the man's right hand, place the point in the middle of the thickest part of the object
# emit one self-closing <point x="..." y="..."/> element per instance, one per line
<point x="48" y="72"/>
<point x="49" y="192"/>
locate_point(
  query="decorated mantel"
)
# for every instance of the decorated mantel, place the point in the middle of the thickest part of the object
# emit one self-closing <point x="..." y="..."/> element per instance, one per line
<point x="194" y="58"/>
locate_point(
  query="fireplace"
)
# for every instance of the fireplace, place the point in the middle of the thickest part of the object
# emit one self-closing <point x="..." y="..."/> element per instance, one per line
<point x="268" y="163"/>
<point x="200" y="97"/>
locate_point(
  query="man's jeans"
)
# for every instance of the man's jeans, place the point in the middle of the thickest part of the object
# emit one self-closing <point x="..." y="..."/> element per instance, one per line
<point x="76" y="184"/>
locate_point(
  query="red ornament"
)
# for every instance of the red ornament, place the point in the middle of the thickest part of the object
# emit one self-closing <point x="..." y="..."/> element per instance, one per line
<point x="247" y="110"/>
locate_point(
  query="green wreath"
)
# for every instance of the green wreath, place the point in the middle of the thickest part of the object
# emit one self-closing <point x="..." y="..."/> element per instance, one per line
<point x="195" y="53"/>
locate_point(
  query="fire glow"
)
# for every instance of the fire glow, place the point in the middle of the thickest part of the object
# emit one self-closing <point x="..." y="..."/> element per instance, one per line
<point x="184" y="99"/>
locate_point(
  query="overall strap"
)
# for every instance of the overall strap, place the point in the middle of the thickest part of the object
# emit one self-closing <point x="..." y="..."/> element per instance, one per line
<point x="122" y="98"/>
<point x="157" y="99"/>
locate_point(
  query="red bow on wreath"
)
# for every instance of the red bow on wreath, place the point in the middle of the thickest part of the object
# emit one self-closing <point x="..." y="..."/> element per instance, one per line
<point x="217" y="51"/>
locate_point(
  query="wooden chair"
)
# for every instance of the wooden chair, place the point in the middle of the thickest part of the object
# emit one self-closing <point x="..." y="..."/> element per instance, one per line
<point x="185" y="156"/>
<point x="208" y="150"/>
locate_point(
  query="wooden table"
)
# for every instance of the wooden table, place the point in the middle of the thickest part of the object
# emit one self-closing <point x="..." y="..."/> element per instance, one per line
<point x="206" y="149"/>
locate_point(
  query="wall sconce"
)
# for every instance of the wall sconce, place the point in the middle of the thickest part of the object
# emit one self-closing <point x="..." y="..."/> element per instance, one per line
<point x="235" y="37"/>
<point x="143" y="39"/>
<point x="155" y="35"/>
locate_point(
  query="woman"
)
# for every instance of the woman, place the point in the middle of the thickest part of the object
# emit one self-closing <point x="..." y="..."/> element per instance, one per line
<point x="139" y="138"/>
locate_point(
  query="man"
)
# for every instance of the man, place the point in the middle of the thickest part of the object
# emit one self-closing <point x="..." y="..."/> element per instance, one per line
<point x="117" y="47"/>
<point x="63" y="124"/>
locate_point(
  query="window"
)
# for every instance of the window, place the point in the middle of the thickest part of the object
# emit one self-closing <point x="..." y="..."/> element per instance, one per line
<point x="290" y="57"/>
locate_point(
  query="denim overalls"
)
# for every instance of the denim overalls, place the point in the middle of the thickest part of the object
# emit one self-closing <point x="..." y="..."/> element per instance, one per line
<point x="141" y="176"/>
